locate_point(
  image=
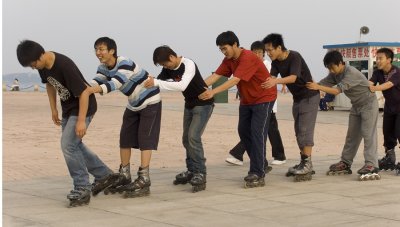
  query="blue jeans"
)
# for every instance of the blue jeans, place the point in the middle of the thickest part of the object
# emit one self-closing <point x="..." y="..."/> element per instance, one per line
<point x="253" y="131"/>
<point x="194" y="123"/>
<point x="80" y="159"/>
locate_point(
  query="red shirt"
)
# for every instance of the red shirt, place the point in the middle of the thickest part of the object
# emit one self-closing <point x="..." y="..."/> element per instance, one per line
<point x="252" y="72"/>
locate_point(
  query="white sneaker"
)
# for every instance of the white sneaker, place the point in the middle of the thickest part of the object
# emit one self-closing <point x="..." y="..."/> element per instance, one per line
<point x="234" y="161"/>
<point x="278" y="162"/>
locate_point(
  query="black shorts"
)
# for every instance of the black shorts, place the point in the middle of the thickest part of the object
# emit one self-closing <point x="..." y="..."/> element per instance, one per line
<point x="141" y="129"/>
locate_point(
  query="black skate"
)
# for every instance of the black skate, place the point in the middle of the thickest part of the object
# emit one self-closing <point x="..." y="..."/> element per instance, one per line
<point x="304" y="170"/>
<point x="79" y="197"/>
<point x="368" y="172"/>
<point x="183" y="178"/>
<point x="100" y="185"/>
<point x="139" y="187"/>
<point x="340" y="168"/>
<point x="123" y="178"/>
<point x="290" y="172"/>
<point x="389" y="161"/>
<point x="198" y="182"/>
<point x="252" y="181"/>
<point x="398" y="169"/>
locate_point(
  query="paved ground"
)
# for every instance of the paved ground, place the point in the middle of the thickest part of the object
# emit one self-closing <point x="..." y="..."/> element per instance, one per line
<point x="36" y="197"/>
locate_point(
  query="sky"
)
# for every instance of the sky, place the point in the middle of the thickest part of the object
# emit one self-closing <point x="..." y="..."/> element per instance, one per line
<point x="190" y="27"/>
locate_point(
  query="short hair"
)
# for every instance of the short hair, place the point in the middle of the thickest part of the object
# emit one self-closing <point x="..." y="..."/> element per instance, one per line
<point x="275" y="40"/>
<point x="110" y="43"/>
<point x="333" y="57"/>
<point x="161" y="54"/>
<point x="257" y="45"/>
<point x="387" y="52"/>
<point x="29" y="51"/>
<point x="227" y="38"/>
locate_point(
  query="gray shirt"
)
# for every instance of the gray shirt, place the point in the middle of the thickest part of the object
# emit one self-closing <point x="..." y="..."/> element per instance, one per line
<point x="353" y="84"/>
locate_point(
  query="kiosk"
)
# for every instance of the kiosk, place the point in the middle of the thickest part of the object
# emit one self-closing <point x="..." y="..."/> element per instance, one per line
<point x="362" y="56"/>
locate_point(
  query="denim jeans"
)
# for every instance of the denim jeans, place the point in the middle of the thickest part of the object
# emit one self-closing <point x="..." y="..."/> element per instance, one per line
<point x="194" y="123"/>
<point x="253" y="131"/>
<point x="80" y="159"/>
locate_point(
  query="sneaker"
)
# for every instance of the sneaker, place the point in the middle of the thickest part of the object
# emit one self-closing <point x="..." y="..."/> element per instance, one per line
<point x="278" y="162"/>
<point x="234" y="161"/>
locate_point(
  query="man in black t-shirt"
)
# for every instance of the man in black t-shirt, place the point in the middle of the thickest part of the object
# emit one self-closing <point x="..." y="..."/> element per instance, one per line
<point x="294" y="72"/>
<point x="62" y="76"/>
<point x="388" y="77"/>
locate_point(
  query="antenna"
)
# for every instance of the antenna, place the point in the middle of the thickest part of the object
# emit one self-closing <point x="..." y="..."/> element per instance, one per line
<point x="363" y="31"/>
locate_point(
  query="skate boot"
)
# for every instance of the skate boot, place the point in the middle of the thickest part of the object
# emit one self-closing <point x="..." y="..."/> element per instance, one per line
<point x="78" y="197"/>
<point x="105" y="182"/>
<point x="198" y="182"/>
<point x="389" y="161"/>
<point x="368" y="172"/>
<point x="304" y="170"/>
<point x="292" y="169"/>
<point x="123" y="178"/>
<point x="139" y="187"/>
<point x="339" y="169"/>
<point x="267" y="169"/>
<point x="252" y="181"/>
<point x="183" y="178"/>
<point x="398" y="169"/>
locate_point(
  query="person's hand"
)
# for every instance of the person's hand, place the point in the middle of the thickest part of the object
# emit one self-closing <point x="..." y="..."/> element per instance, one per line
<point x="270" y="82"/>
<point x="372" y="88"/>
<point x="80" y="129"/>
<point x="54" y="116"/>
<point x="149" y="82"/>
<point x="284" y="89"/>
<point x="207" y="94"/>
<point x="312" y="86"/>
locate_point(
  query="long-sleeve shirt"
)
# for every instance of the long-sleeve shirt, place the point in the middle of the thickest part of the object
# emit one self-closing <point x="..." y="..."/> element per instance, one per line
<point x="127" y="77"/>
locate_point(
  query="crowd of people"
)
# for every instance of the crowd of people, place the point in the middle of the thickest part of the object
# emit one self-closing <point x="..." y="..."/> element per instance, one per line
<point x="256" y="80"/>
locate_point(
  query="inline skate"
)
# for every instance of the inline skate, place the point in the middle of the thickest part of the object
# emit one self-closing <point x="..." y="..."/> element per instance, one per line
<point x="122" y="179"/>
<point x="253" y="180"/>
<point x="389" y="161"/>
<point x="340" y="168"/>
<point x="198" y="182"/>
<point x="304" y="170"/>
<point x="79" y="197"/>
<point x="140" y="186"/>
<point x="183" y="178"/>
<point x="368" y="172"/>
<point x="105" y="182"/>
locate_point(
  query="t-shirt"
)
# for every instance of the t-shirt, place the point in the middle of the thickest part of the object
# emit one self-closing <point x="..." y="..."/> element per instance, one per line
<point x="294" y="64"/>
<point x="353" y="84"/>
<point x="392" y="95"/>
<point x="127" y="77"/>
<point x="252" y="73"/>
<point x="186" y="78"/>
<point x="69" y="82"/>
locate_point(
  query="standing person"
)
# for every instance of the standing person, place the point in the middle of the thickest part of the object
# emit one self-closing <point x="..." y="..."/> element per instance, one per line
<point x="142" y="117"/>
<point x="62" y="76"/>
<point x="278" y="151"/>
<point x="295" y="74"/>
<point x="363" y="116"/>
<point x="248" y="72"/>
<point x="388" y="77"/>
<point x="186" y="78"/>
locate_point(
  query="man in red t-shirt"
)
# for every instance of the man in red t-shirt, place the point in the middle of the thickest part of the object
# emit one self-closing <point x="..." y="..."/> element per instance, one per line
<point x="248" y="72"/>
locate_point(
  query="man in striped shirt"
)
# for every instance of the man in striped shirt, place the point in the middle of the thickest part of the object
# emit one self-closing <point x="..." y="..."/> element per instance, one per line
<point x="141" y="121"/>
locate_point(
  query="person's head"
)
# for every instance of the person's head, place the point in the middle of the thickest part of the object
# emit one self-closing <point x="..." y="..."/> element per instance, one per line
<point x="228" y="43"/>
<point x="274" y="45"/>
<point x="384" y="58"/>
<point x="30" y="54"/>
<point x="106" y="50"/>
<point x="333" y="61"/>
<point x="258" y="48"/>
<point x="166" y="57"/>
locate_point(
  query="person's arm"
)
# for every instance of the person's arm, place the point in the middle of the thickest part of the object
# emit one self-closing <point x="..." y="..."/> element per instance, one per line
<point x="381" y="87"/>
<point x="80" y="127"/>
<point x="208" y="94"/>
<point x="52" y="94"/>
<point x="330" y="90"/>
<point x="212" y="79"/>
<point x="187" y="76"/>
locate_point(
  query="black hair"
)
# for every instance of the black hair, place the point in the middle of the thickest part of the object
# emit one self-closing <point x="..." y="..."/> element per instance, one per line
<point x="29" y="51"/>
<point x="257" y="45"/>
<point x="227" y="38"/>
<point x="110" y="43"/>
<point x="275" y="40"/>
<point x="333" y="57"/>
<point x="161" y="54"/>
<point x="387" y="52"/>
